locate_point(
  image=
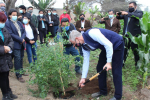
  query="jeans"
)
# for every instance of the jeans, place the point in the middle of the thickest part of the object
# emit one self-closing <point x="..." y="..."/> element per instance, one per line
<point x="55" y="30"/>
<point x="31" y="51"/>
<point x="80" y="49"/>
<point x="18" y="60"/>
<point x="71" y="50"/>
<point x="117" y="62"/>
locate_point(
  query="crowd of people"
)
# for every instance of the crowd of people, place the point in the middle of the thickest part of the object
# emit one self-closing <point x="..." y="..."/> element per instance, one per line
<point x="19" y="31"/>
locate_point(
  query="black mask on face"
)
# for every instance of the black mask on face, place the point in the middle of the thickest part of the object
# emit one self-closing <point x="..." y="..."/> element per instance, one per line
<point x="19" y="19"/>
<point x="131" y="9"/>
<point x="82" y="18"/>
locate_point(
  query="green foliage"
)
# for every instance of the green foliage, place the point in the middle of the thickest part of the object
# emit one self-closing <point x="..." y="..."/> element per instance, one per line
<point x="79" y="9"/>
<point x="143" y="42"/>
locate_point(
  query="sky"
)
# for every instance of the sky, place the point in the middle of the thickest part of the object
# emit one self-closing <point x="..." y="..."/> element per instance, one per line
<point x="59" y="3"/>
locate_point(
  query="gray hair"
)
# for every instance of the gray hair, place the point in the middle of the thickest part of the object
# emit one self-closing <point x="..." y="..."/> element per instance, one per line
<point x="74" y="34"/>
<point x="3" y="3"/>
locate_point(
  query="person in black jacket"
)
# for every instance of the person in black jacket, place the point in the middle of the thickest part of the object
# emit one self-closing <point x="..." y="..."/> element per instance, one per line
<point x="56" y="21"/>
<point x="31" y="37"/>
<point x="42" y="26"/>
<point x="6" y="47"/>
<point x="131" y="24"/>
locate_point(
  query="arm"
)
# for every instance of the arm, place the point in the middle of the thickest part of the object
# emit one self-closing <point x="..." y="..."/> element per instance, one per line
<point x="89" y="26"/>
<point x="96" y="35"/>
<point x="73" y="26"/>
<point x="86" y="55"/>
<point x="138" y="14"/>
<point x="36" y="20"/>
<point x="77" y="23"/>
<point x="118" y="27"/>
<point x="23" y="35"/>
<point x="2" y="51"/>
<point x="11" y="42"/>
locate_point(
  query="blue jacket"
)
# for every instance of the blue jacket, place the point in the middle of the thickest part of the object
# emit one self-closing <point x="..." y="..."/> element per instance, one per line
<point x="14" y="33"/>
<point x="112" y="36"/>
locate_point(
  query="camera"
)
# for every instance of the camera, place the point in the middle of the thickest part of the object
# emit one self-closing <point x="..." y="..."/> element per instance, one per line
<point x="81" y="27"/>
<point x="119" y="13"/>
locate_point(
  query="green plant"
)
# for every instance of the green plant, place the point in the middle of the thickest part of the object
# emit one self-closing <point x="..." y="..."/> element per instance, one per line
<point x="143" y="42"/>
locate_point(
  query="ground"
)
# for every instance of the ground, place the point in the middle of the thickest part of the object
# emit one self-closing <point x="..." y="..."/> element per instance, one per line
<point x="129" y="91"/>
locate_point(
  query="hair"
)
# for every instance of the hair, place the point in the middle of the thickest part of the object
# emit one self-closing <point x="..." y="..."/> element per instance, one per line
<point x="134" y="3"/>
<point x="2" y="3"/>
<point x="19" y="14"/>
<point x="40" y="11"/>
<point x="3" y="17"/>
<point x="64" y="20"/>
<point x="22" y="7"/>
<point x="11" y="11"/>
<point x="111" y="10"/>
<point x="30" y="7"/>
<point x="81" y="15"/>
<point x="74" y="34"/>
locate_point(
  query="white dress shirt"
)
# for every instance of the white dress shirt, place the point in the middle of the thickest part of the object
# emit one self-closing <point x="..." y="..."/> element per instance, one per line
<point x="96" y="35"/>
<point x="111" y="21"/>
<point x="29" y="32"/>
<point x="82" y="25"/>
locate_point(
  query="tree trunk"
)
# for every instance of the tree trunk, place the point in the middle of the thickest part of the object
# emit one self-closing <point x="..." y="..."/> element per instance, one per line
<point x="10" y="4"/>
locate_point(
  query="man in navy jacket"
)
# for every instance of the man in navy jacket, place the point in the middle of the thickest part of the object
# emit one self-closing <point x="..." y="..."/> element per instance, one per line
<point x="111" y="56"/>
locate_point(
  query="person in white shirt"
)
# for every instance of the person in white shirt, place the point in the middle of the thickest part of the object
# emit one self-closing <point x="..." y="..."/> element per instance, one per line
<point x="111" y="56"/>
<point x="31" y="37"/>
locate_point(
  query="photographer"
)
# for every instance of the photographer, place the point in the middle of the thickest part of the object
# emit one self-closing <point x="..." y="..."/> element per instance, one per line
<point x="131" y="24"/>
<point x="111" y="23"/>
<point x="42" y="25"/>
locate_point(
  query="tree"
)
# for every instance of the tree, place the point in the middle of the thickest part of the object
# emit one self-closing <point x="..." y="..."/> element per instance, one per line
<point x="9" y="4"/>
<point x="42" y="4"/>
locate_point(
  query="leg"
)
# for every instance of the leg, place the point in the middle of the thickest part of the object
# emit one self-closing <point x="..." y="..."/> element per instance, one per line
<point x="41" y="36"/>
<point x="117" y="62"/>
<point x="3" y="83"/>
<point x="80" y="49"/>
<point x="136" y="56"/>
<point x="22" y="55"/>
<point x="29" y="52"/>
<point x="103" y="76"/>
<point x="75" y="52"/>
<point x="17" y="62"/>
<point x="34" y="51"/>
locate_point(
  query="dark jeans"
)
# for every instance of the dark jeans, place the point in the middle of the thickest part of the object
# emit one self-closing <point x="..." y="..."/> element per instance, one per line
<point x="31" y="51"/>
<point x="55" y="30"/>
<point x="71" y="50"/>
<point x="18" y="61"/>
<point x="117" y="62"/>
<point x="4" y="82"/>
<point x="51" y="29"/>
<point x="42" y="34"/>
<point x="80" y="49"/>
<point x="133" y="47"/>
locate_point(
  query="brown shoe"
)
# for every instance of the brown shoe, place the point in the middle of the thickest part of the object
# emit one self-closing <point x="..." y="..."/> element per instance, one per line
<point x="24" y="74"/>
<point x="20" y="79"/>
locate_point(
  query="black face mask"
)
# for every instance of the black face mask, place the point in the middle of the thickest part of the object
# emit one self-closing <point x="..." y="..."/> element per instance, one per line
<point x="131" y="9"/>
<point x="82" y="18"/>
<point x="19" y="19"/>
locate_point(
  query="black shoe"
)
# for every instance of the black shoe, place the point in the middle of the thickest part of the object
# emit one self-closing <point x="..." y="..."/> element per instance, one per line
<point x="7" y="97"/>
<point x="12" y="95"/>
<point x="98" y="94"/>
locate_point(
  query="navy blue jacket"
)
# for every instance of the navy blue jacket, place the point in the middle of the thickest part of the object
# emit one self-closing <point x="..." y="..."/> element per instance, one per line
<point x="14" y="33"/>
<point x="112" y="36"/>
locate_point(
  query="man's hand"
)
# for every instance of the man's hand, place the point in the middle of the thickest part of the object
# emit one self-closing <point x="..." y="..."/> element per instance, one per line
<point x="41" y="19"/>
<point x="7" y="49"/>
<point x="80" y="29"/>
<point x="44" y="20"/>
<point x="23" y="41"/>
<point x="124" y="13"/>
<point x="83" y="29"/>
<point x="81" y="82"/>
<point x="102" y="19"/>
<point x="32" y="42"/>
<point x="50" y="24"/>
<point x="108" y="65"/>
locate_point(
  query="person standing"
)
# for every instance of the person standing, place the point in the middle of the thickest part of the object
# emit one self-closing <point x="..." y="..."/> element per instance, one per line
<point x="18" y="35"/>
<point x="42" y="26"/>
<point x="112" y="23"/>
<point x="34" y="19"/>
<point x="64" y="15"/>
<point x="6" y="47"/>
<point x="82" y="26"/>
<point x="31" y="37"/>
<point x="3" y="7"/>
<point x="131" y="24"/>
<point x="63" y="33"/>
<point x="56" y="21"/>
<point x="111" y="56"/>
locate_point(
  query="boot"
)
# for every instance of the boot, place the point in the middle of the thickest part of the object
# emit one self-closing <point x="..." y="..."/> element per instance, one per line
<point x="7" y="97"/>
<point x="12" y="95"/>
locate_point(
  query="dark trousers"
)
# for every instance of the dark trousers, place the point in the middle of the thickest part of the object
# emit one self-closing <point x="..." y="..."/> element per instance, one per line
<point x="42" y="34"/>
<point x="117" y="62"/>
<point x="74" y="52"/>
<point x="18" y="61"/>
<point x="80" y="49"/>
<point x="51" y="30"/>
<point x="4" y="82"/>
<point x="133" y="47"/>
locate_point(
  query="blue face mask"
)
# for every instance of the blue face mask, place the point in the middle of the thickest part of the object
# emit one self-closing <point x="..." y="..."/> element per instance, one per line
<point x="2" y="25"/>
<point x="25" y="21"/>
<point x="110" y="16"/>
<point x="66" y="28"/>
<point x="21" y="11"/>
<point x="41" y="15"/>
<point x="49" y="13"/>
<point x="14" y="18"/>
<point x="3" y="9"/>
<point x="54" y="13"/>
